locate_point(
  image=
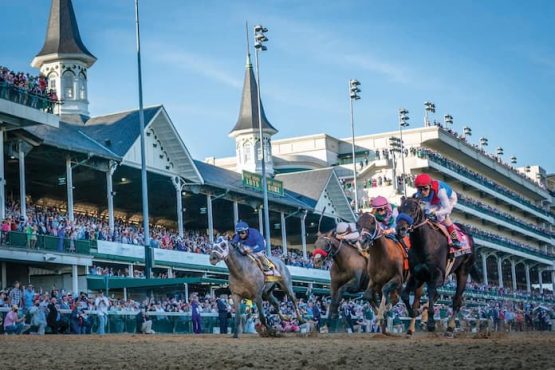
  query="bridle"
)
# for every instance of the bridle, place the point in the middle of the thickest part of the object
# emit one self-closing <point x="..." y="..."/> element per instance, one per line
<point x="413" y="226"/>
<point x="365" y="236"/>
<point x="330" y="247"/>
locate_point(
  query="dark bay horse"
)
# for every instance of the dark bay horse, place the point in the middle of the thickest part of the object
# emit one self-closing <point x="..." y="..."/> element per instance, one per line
<point x="348" y="272"/>
<point x="385" y="265"/>
<point x="428" y="260"/>
<point x="247" y="281"/>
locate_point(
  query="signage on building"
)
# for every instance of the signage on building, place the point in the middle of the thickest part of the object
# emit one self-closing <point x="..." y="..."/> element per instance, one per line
<point x="254" y="181"/>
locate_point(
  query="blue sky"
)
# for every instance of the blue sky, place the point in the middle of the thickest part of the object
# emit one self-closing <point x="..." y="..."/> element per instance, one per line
<point x="490" y="64"/>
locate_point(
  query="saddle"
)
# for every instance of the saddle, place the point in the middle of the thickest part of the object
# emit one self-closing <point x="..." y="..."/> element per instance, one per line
<point x="453" y="252"/>
<point x="274" y="276"/>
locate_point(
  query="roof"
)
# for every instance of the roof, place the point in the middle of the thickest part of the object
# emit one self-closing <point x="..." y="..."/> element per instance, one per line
<point x="248" y="114"/>
<point x="121" y="129"/>
<point x="231" y="180"/>
<point x="297" y="181"/>
<point x="70" y="137"/>
<point x="62" y="35"/>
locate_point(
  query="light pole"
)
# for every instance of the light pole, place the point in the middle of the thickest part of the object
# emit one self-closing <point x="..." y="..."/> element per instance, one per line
<point x="483" y="143"/>
<point x="353" y="95"/>
<point x="448" y="119"/>
<point x="259" y="39"/>
<point x="499" y="152"/>
<point x="403" y="122"/>
<point x="467" y="131"/>
<point x="144" y="186"/>
<point x="430" y="108"/>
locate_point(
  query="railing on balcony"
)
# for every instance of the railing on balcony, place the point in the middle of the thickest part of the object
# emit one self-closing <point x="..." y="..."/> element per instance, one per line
<point x="27" y="98"/>
<point x="481" y="180"/>
<point x="503" y="216"/>
<point x="46" y="243"/>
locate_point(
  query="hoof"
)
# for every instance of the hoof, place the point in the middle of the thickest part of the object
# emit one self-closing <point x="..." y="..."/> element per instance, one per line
<point x="235" y="336"/>
<point x="449" y="334"/>
<point x="409" y="333"/>
<point x="431" y="329"/>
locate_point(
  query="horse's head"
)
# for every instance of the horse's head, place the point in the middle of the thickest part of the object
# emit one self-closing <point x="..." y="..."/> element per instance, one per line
<point x="220" y="251"/>
<point x="410" y="212"/>
<point x="369" y="228"/>
<point x="326" y="243"/>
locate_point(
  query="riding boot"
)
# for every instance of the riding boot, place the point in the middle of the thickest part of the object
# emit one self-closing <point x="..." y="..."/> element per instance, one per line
<point x="455" y="239"/>
<point x="266" y="267"/>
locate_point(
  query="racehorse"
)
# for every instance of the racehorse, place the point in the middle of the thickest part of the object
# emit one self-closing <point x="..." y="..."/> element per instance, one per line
<point x="385" y="265"/>
<point x="428" y="260"/>
<point x="348" y="272"/>
<point x="247" y="281"/>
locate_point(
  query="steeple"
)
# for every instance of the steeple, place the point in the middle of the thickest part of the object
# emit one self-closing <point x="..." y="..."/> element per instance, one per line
<point x="248" y="114"/>
<point x="64" y="59"/>
<point x="246" y="131"/>
<point x="62" y="37"/>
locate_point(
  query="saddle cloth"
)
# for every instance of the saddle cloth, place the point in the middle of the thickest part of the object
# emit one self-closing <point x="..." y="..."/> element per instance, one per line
<point x="463" y="238"/>
<point x="267" y="278"/>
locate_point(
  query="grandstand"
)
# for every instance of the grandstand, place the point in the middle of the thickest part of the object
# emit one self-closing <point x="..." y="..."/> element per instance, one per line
<point x="71" y="199"/>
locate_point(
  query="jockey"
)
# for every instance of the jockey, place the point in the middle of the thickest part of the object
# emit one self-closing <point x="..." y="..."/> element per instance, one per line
<point x="252" y="242"/>
<point x="439" y="200"/>
<point x="385" y="213"/>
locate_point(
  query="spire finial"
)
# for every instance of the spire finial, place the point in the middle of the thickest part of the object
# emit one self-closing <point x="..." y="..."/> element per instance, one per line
<point x="249" y="64"/>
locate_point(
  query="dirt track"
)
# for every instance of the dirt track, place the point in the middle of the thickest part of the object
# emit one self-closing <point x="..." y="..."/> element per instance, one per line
<point x="425" y="351"/>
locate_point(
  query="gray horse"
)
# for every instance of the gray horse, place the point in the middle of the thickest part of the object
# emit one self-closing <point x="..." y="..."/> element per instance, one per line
<point x="247" y="281"/>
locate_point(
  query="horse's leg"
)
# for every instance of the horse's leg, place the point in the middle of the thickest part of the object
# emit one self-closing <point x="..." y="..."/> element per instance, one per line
<point x="270" y="297"/>
<point x="236" y="305"/>
<point x="462" y="276"/>
<point x="437" y="280"/>
<point x="385" y="305"/>
<point x="288" y="289"/>
<point x="261" y="315"/>
<point x="412" y="310"/>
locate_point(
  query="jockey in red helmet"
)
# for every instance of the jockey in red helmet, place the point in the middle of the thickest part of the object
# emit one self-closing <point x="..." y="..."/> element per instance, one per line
<point x="385" y="213"/>
<point x="439" y="200"/>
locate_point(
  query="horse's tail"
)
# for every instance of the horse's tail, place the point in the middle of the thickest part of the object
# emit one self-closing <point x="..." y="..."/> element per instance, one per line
<point x="474" y="272"/>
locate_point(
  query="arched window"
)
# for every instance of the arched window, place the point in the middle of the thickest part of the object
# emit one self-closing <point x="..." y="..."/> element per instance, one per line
<point x="52" y="77"/>
<point x="247" y="152"/>
<point x="82" y="86"/>
<point x="67" y="85"/>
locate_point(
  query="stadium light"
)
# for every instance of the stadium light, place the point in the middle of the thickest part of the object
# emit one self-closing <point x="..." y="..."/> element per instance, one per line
<point x="429" y="108"/>
<point x="483" y="143"/>
<point x="354" y="95"/>
<point x="403" y="122"/>
<point x="467" y="131"/>
<point x="259" y="40"/>
<point x="448" y="119"/>
<point x="499" y="151"/>
<point x="513" y="160"/>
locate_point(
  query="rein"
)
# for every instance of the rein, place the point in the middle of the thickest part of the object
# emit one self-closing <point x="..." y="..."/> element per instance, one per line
<point x="332" y="252"/>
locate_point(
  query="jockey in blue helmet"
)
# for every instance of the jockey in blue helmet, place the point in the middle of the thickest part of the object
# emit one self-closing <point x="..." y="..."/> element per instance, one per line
<point x="252" y="242"/>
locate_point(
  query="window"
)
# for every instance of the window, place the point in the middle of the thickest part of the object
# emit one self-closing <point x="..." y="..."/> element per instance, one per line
<point x="67" y="85"/>
<point x="82" y="86"/>
<point x="247" y="152"/>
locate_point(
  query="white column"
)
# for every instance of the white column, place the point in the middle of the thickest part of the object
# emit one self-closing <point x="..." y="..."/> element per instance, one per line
<point x="69" y="183"/>
<point x="186" y="293"/>
<point x="500" y="271"/>
<point x="260" y="221"/>
<point x="210" y="218"/>
<point x="283" y="234"/>
<point x="131" y="268"/>
<point x="303" y="234"/>
<point x="513" y="273"/>
<point x="110" y="196"/>
<point x="2" y="180"/>
<point x="540" y="280"/>
<point x="170" y="273"/>
<point x="485" y="267"/>
<point x="4" y="276"/>
<point x="74" y="280"/>
<point x="124" y="293"/>
<point x="528" y="287"/>
<point x="553" y="281"/>
<point x="235" y="212"/>
<point x="178" y="185"/>
<point x="22" y="194"/>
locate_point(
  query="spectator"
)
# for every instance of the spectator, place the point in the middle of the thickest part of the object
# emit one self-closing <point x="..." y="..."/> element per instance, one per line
<point x="101" y="304"/>
<point x="144" y="325"/>
<point x="15" y="295"/>
<point x="223" y="311"/>
<point x="38" y="317"/>
<point x="12" y="323"/>
<point x="195" y="312"/>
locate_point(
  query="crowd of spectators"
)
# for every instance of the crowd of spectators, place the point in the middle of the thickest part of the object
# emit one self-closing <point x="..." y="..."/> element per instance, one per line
<point x="438" y="158"/>
<point x="51" y="221"/>
<point x="26" y="89"/>
<point x="506" y="216"/>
